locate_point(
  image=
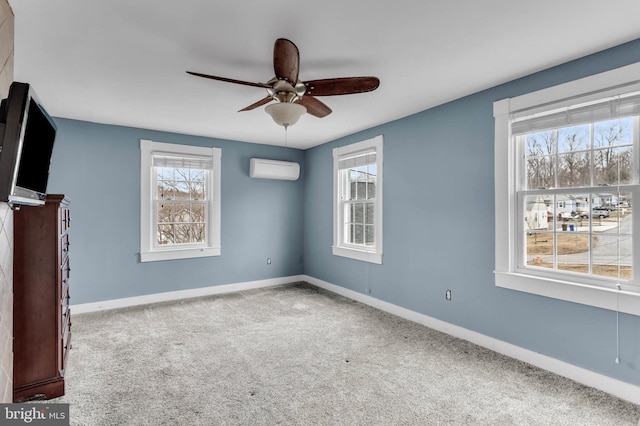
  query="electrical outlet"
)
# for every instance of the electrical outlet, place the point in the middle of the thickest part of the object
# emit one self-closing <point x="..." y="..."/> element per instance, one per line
<point x="268" y="261"/>
<point x="368" y="290"/>
<point x="447" y="295"/>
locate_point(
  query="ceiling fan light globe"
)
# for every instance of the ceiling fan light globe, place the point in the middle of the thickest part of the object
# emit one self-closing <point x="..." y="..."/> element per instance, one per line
<point x="285" y="113"/>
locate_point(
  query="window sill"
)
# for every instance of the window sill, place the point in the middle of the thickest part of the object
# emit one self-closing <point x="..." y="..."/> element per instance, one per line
<point x="600" y="297"/>
<point x="363" y="255"/>
<point x="185" y="253"/>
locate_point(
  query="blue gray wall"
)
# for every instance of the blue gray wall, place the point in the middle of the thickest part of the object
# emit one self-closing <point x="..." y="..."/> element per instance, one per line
<point x="98" y="167"/>
<point x="438" y="224"/>
<point x="439" y="230"/>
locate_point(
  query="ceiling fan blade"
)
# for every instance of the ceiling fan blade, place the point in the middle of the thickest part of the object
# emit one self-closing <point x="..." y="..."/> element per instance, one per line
<point x="314" y="106"/>
<point x="257" y="104"/>
<point x="341" y="86"/>
<point x="230" y="80"/>
<point x="286" y="60"/>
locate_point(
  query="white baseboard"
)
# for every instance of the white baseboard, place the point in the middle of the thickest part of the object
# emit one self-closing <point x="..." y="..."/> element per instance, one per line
<point x="181" y="294"/>
<point x="581" y="375"/>
<point x="599" y="381"/>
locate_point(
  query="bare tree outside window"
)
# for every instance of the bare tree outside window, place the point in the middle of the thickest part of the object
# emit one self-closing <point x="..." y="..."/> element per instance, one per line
<point x="577" y="211"/>
<point x="181" y="205"/>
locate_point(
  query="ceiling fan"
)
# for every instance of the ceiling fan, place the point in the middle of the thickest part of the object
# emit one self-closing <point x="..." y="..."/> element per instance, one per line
<point x="295" y="97"/>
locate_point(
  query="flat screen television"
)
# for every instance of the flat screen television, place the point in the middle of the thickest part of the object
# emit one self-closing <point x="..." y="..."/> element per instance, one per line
<point x="27" y="134"/>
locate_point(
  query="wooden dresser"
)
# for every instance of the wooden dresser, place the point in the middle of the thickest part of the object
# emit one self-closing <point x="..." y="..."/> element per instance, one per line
<point x="41" y="315"/>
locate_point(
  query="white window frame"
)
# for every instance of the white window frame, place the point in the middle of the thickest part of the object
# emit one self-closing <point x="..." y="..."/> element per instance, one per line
<point x="149" y="251"/>
<point x="622" y="296"/>
<point x="372" y="254"/>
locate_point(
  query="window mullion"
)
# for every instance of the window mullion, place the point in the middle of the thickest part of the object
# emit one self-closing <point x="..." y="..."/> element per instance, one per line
<point x="636" y="149"/>
<point x="592" y="155"/>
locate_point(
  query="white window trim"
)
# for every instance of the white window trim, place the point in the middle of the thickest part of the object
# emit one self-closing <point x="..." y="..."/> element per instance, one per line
<point x="374" y="254"/>
<point x="624" y="298"/>
<point x="148" y="251"/>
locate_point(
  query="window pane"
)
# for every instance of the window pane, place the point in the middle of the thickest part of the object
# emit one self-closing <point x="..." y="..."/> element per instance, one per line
<point x="358" y="210"/>
<point x="350" y="213"/>
<point x="165" y="212"/>
<point x="540" y="249"/>
<point x="570" y="205"/>
<point x="537" y="214"/>
<point x="360" y="190"/>
<point x="613" y="166"/>
<point x="164" y="173"/>
<point x="574" y="169"/>
<point x="574" y="138"/>
<point x="182" y="233"/>
<point x="582" y="204"/>
<point x="613" y="132"/>
<point x="622" y="202"/>
<point x="197" y="175"/>
<point x="197" y="212"/>
<point x="198" y="233"/>
<point x="351" y="191"/>
<point x="165" y="234"/>
<point x="182" y="190"/>
<point x="612" y="256"/>
<point x="573" y="253"/>
<point x="541" y="143"/>
<point x="370" y="235"/>
<point x="541" y="172"/>
<point x="358" y="234"/>
<point x="182" y="174"/>
<point x="370" y="213"/>
<point x="182" y="213"/>
<point x="197" y="190"/>
<point x="165" y="190"/>
<point x="371" y="190"/>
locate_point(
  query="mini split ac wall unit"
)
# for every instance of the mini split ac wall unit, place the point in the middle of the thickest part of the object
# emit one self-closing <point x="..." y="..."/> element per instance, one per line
<point x="273" y="169"/>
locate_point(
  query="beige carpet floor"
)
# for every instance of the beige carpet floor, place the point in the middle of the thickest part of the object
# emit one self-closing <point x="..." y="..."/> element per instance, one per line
<point x="297" y="355"/>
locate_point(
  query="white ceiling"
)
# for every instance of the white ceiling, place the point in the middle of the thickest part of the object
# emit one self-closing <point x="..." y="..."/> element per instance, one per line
<point x="124" y="61"/>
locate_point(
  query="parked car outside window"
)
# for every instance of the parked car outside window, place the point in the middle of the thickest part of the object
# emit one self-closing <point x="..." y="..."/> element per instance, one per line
<point x="596" y="213"/>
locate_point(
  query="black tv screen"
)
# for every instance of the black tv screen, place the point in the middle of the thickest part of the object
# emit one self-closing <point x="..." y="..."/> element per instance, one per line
<point x="27" y="134"/>
<point x="33" y="170"/>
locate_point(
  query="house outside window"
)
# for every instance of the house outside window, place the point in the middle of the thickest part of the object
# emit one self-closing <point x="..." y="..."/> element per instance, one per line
<point x="566" y="182"/>
<point x="358" y="200"/>
<point x="180" y="201"/>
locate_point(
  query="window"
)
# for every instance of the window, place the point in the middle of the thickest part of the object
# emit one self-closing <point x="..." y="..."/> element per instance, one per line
<point x="357" y="223"/>
<point x="180" y="201"/>
<point x="567" y="177"/>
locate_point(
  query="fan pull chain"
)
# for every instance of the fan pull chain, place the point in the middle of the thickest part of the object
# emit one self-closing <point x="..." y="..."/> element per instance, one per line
<point x="286" y="127"/>
<point x="618" y="324"/>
